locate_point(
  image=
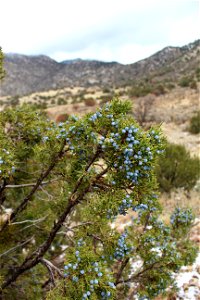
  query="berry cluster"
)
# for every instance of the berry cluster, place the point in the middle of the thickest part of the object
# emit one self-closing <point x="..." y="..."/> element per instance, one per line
<point x="131" y="158"/>
<point x="181" y="218"/>
<point x="123" y="249"/>
<point x="125" y="205"/>
<point x="97" y="115"/>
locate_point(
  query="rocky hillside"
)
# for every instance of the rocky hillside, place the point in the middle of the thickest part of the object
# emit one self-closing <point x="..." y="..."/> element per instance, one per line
<point x="28" y="74"/>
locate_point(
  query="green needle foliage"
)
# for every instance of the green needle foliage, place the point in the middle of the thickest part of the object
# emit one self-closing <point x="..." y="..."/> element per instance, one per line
<point x="62" y="186"/>
<point x="2" y="72"/>
<point x="177" y="169"/>
<point x="194" y="126"/>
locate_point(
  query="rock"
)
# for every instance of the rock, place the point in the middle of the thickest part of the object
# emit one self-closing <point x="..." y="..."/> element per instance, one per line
<point x="194" y="282"/>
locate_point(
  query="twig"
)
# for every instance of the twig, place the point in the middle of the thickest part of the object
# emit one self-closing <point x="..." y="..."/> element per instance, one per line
<point x="49" y="268"/>
<point x="122" y="267"/>
<point x="2" y="195"/>
<point x="29" y="221"/>
<point x="138" y="274"/>
<point x="78" y="225"/>
<point x="11" y="186"/>
<point x="45" y="192"/>
<point x="18" y="246"/>
<point x="52" y="266"/>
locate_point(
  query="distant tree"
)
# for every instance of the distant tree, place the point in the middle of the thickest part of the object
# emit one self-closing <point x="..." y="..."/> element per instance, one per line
<point x="2" y="71"/>
<point x="143" y="109"/>
<point x="197" y="73"/>
<point x="185" y="81"/>
<point x="194" y="126"/>
<point x="193" y="85"/>
<point x="158" y="90"/>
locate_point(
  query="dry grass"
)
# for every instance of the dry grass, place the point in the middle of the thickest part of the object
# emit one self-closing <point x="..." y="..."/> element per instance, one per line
<point x="178" y="134"/>
<point x="182" y="199"/>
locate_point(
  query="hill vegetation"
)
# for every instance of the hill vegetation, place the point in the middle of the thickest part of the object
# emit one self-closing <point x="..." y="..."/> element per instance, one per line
<point x="61" y="187"/>
<point x="28" y="74"/>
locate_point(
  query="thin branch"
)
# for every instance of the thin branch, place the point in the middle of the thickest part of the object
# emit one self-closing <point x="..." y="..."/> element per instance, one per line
<point x="24" y="203"/>
<point x="146" y="222"/>
<point x="11" y="186"/>
<point x="78" y="225"/>
<point x="105" y="187"/>
<point x="95" y="237"/>
<point x="133" y="277"/>
<point x="18" y="246"/>
<point x="120" y="271"/>
<point x="2" y="195"/>
<point x="52" y="279"/>
<point x="52" y="266"/>
<point x="86" y="169"/>
<point x="29" y="221"/>
<point x="2" y="187"/>
<point x="45" y="192"/>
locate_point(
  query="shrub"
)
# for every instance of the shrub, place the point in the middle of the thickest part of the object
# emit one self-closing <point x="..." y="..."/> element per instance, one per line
<point x="185" y="81"/>
<point x="193" y="85"/>
<point x="195" y="123"/>
<point x="90" y="101"/>
<point x="106" y="90"/>
<point x="13" y="101"/>
<point x="61" y="101"/>
<point x="61" y="186"/>
<point x="140" y="90"/>
<point x="2" y="71"/>
<point x="158" y="90"/>
<point x="170" y="86"/>
<point x="197" y="73"/>
<point x="143" y="109"/>
<point x="177" y="169"/>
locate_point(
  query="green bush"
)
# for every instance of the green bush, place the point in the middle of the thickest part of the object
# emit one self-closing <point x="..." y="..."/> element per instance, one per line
<point x="195" y="123"/>
<point x="144" y="88"/>
<point x="177" y="169"/>
<point x="140" y="90"/>
<point x="106" y="90"/>
<point x="197" y="73"/>
<point x="193" y="85"/>
<point x="170" y="86"/>
<point x="185" y="81"/>
<point x="61" y="101"/>
<point x="2" y="71"/>
<point x="158" y="90"/>
<point x="61" y="187"/>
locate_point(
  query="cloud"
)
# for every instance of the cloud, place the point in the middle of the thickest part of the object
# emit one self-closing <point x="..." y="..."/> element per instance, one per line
<point x="106" y="30"/>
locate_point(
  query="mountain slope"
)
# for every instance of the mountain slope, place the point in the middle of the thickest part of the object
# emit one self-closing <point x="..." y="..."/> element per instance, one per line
<point x="27" y="74"/>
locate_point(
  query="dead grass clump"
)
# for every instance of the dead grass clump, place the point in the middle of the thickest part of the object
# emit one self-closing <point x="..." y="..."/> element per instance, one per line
<point x="62" y="117"/>
<point x="90" y="102"/>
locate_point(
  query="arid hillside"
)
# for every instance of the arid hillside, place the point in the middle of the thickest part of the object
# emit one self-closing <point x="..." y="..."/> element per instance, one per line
<point x="28" y="74"/>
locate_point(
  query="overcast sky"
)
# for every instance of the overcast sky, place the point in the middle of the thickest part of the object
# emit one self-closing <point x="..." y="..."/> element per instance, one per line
<point x="109" y="30"/>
